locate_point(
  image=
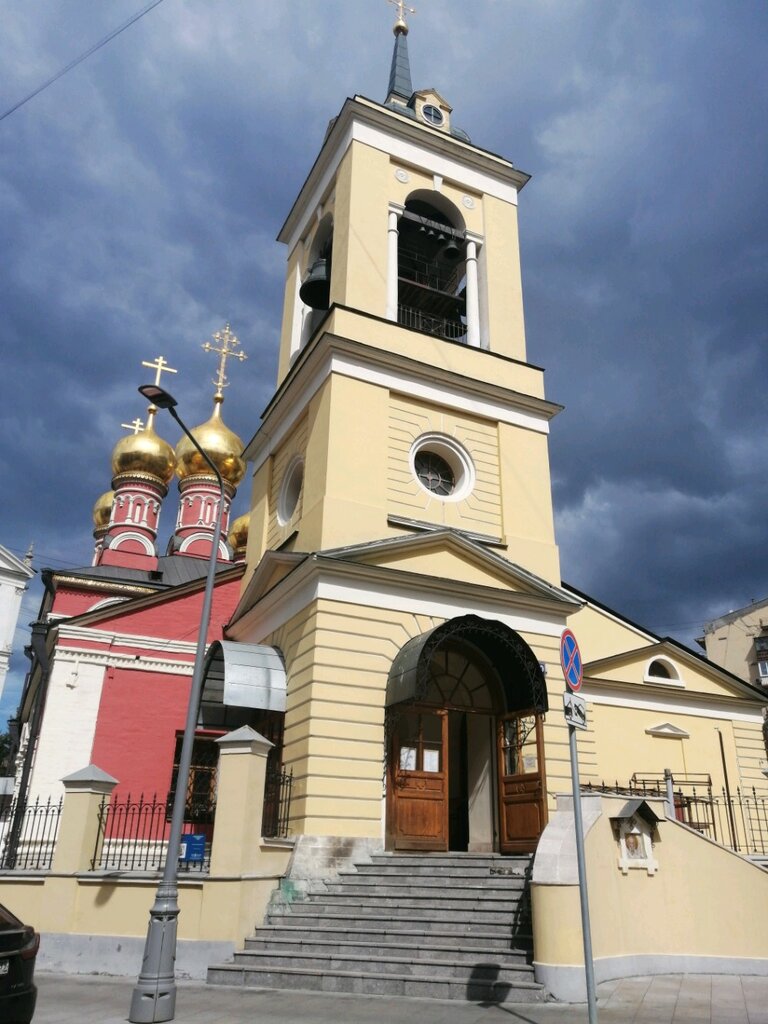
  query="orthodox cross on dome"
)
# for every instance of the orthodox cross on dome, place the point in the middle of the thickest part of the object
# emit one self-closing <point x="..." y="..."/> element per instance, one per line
<point x="401" y="25"/>
<point x="135" y="425"/>
<point x="162" y="366"/>
<point x="227" y="349"/>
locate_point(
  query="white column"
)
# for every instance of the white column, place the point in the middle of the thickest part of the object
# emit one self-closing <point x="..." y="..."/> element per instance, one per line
<point x="473" y="300"/>
<point x="392" y="235"/>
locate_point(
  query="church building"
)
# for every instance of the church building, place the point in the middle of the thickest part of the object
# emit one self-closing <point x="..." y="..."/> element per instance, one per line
<point x="401" y="554"/>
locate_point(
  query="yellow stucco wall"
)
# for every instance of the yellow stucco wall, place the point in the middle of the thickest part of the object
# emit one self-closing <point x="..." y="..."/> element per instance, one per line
<point x="676" y="911"/>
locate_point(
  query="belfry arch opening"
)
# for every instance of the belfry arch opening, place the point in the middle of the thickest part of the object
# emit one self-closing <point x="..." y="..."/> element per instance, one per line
<point x="465" y="764"/>
<point x="431" y="267"/>
<point x="315" y="290"/>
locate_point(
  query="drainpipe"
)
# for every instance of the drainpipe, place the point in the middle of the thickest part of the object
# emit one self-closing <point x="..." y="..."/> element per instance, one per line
<point x="38" y="653"/>
<point x="731" y="821"/>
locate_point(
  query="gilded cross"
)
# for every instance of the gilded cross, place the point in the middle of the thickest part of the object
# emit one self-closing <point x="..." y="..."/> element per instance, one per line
<point x="162" y="366"/>
<point x="227" y="350"/>
<point x="136" y="425"/>
<point x="402" y="8"/>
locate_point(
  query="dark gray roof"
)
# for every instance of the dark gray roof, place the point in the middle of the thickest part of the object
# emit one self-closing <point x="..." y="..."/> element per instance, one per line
<point x="172" y="570"/>
<point x="400" y="72"/>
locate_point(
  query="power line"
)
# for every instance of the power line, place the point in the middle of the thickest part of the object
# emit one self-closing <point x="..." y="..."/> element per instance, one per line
<point x="83" y="56"/>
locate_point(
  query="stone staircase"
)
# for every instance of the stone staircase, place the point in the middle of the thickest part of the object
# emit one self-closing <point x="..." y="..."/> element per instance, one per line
<point x="445" y="926"/>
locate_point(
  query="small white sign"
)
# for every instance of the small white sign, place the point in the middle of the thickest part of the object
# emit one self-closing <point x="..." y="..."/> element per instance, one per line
<point x="575" y="710"/>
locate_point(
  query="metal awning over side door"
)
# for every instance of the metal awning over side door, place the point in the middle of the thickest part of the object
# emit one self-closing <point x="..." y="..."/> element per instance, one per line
<point x="244" y="676"/>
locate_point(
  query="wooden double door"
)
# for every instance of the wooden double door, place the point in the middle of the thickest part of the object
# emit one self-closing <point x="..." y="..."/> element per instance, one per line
<point x="440" y="767"/>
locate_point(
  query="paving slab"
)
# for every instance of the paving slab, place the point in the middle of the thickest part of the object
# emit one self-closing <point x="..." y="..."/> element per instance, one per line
<point x="88" y="999"/>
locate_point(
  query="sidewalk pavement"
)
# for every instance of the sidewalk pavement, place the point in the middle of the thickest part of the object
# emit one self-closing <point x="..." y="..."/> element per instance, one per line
<point x="666" y="999"/>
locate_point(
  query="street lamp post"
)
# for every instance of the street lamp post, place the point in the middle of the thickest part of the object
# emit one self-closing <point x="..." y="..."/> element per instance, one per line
<point x="154" y="996"/>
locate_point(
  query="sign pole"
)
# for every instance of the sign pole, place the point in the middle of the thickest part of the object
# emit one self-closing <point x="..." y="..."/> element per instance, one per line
<point x="574" y="708"/>
<point x="586" y="931"/>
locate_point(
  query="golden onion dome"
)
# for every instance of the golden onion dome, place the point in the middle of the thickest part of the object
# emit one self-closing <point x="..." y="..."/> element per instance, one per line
<point x="222" y="446"/>
<point x="238" y="533"/>
<point x="144" y="452"/>
<point x="102" y="510"/>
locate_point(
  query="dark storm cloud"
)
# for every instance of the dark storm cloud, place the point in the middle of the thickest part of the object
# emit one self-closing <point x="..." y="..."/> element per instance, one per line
<point x="141" y="194"/>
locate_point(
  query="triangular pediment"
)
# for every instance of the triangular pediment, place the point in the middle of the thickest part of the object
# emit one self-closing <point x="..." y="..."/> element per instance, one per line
<point x="668" y="665"/>
<point x="433" y="96"/>
<point x="450" y="555"/>
<point x="11" y="566"/>
<point x="666" y="730"/>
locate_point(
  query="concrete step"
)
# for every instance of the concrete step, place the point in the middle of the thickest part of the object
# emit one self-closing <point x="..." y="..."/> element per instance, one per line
<point x="482" y="984"/>
<point x="489" y="912"/>
<point x="312" y="916"/>
<point x="447" y="966"/>
<point x="477" y="883"/>
<point x="416" y="948"/>
<point x="390" y="933"/>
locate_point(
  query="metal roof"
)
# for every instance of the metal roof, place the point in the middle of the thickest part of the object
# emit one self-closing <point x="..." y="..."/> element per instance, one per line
<point x="244" y="676"/>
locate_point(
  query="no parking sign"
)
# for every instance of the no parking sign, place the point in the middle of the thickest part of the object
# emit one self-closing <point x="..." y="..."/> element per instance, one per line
<point x="570" y="659"/>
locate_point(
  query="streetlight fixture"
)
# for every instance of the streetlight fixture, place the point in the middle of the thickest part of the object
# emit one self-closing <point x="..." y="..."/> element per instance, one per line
<point x="154" y="996"/>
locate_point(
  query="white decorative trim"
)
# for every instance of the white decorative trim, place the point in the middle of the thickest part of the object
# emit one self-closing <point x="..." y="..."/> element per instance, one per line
<point x="457" y="457"/>
<point x="667" y="731"/>
<point x="422" y="157"/>
<point x="290" y="493"/>
<point x="433" y="163"/>
<point x="206" y="535"/>
<point x="402" y="175"/>
<point x="112" y="638"/>
<point x="400" y="383"/>
<point x="468" y="202"/>
<point x="109" y="659"/>
<point x="674" y="679"/>
<point x="276" y="609"/>
<point x="117" y="540"/>
<point x="682" y="706"/>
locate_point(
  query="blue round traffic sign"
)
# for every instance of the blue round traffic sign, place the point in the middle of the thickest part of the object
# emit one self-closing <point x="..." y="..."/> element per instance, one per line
<point x="570" y="659"/>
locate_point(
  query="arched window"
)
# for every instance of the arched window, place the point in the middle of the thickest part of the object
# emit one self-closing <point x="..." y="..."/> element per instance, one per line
<point x="662" y="670"/>
<point x="431" y="267"/>
<point x="315" y="291"/>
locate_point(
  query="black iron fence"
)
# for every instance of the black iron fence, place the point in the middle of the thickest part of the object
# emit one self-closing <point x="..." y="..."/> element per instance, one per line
<point x="133" y="835"/>
<point x="737" y="820"/>
<point x="28" y="835"/>
<point x="440" y="326"/>
<point x="278" y="785"/>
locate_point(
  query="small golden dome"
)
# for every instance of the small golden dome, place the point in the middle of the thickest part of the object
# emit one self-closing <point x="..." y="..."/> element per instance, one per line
<point x="102" y="510"/>
<point x="238" y="533"/>
<point x="222" y="445"/>
<point x="144" y="452"/>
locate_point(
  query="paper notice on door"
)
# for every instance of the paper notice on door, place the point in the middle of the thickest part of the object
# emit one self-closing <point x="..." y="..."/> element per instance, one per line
<point x="431" y="760"/>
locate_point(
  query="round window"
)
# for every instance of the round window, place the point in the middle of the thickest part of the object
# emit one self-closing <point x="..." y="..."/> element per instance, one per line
<point x="442" y="467"/>
<point x="432" y="114"/>
<point x="290" y="490"/>
<point x="434" y="473"/>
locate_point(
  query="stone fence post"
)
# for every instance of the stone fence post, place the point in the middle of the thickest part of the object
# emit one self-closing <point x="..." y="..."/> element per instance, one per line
<point x="75" y="844"/>
<point x="239" y="802"/>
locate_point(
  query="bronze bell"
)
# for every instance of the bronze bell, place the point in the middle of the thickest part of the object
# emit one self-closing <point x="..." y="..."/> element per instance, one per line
<point x="316" y="289"/>
<point x="451" y="251"/>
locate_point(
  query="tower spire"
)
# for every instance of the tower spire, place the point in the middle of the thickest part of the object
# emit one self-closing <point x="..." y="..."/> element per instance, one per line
<point x="400" y="85"/>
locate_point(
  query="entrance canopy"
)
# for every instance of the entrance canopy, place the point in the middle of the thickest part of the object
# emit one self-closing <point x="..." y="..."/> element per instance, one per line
<point x="518" y="668"/>
<point x="244" y="676"/>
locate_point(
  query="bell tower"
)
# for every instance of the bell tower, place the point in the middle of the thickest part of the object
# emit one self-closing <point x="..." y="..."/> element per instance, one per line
<point x="405" y="402"/>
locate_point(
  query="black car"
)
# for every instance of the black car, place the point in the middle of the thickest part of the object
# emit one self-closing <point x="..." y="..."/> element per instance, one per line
<point x="18" y="949"/>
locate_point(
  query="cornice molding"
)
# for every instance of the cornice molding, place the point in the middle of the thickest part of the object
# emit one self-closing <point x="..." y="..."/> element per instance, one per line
<point x="111" y="637"/>
<point x="331" y="353"/>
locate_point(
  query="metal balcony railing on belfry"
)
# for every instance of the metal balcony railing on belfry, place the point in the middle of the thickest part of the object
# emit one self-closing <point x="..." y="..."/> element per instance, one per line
<point x="439" y="326"/>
